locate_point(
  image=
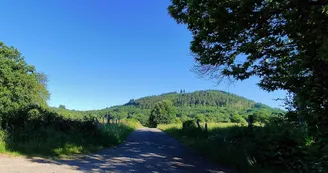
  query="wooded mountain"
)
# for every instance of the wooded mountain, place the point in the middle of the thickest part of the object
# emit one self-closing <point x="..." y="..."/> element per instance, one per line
<point x="198" y="98"/>
<point x="207" y="105"/>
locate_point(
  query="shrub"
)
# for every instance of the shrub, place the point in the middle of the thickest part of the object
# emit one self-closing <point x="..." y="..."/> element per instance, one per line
<point x="176" y="121"/>
<point x="189" y="124"/>
<point x="235" y="118"/>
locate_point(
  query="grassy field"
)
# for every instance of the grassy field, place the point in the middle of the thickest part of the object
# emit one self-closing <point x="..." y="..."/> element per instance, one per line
<point x="205" y="143"/>
<point x="48" y="142"/>
<point x="216" y="144"/>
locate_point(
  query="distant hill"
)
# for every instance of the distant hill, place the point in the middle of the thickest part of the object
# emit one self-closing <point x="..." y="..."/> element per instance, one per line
<point x="198" y="98"/>
<point x="214" y="105"/>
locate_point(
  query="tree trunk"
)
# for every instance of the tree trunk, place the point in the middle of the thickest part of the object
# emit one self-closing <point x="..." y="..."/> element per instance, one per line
<point x="206" y="127"/>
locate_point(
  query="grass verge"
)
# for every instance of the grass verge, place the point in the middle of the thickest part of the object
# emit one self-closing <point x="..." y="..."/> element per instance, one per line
<point x="53" y="143"/>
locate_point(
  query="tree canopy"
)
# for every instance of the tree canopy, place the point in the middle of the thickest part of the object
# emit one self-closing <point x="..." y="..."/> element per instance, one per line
<point x="20" y="84"/>
<point x="62" y="107"/>
<point x="283" y="42"/>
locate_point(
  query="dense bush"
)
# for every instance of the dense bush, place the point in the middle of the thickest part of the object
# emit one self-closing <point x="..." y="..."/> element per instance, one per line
<point x="189" y="125"/>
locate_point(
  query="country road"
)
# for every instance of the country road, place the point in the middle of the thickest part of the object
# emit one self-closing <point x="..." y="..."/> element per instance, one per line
<point x="145" y="150"/>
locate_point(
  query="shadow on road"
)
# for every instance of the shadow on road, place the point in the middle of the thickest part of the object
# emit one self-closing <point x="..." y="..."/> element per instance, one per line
<point x="145" y="150"/>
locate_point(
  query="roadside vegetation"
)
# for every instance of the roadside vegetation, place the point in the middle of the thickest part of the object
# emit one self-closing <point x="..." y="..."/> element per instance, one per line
<point x="49" y="134"/>
<point x="29" y="127"/>
<point x="275" y="147"/>
<point x="284" y="44"/>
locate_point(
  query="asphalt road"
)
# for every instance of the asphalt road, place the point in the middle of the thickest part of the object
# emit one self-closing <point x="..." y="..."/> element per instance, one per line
<point x="145" y="150"/>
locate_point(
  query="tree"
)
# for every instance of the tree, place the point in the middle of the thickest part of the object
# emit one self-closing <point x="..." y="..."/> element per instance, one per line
<point x="282" y="42"/>
<point x="200" y="117"/>
<point x="163" y="113"/>
<point x="62" y="107"/>
<point x="236" y="118"/>
<point x="261" y="116"/>
<point x="20" y="84"/>
<point x="141" y="118"/>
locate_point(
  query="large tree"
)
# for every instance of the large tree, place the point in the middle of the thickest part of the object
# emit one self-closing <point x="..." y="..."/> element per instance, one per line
<point x="284" y="42"/>
<point x="20" y="84"/>
<point x="164" y="112"/>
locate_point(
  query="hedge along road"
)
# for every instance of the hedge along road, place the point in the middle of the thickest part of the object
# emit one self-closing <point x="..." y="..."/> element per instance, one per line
<point x="145" y="150"/>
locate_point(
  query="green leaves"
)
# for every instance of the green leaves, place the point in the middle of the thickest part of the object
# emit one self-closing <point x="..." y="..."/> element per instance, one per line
<point x="20" y="84"/>
<point x="283" y="42"/>
<point x="163" y="113"/>
<point x="264" y="32"/>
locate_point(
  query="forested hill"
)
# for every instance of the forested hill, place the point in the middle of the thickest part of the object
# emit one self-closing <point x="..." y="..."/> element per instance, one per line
<point x="210" y="105"/>
<point x="198" y="98"/>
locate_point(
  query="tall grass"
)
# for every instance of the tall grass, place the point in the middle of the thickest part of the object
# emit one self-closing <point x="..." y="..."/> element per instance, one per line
<point x="211" y="144"/>
<point x="209" y="125"/>
<point x="277" y="147"/>
<point x="52" y="142"/>
<point x="2" y="143"/>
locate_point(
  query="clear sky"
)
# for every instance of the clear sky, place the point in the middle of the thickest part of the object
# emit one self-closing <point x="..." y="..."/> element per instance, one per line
<point x="102" y="53"/>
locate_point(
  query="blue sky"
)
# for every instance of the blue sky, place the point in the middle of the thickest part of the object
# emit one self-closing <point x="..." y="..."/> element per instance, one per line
<point x="102" y="53"/>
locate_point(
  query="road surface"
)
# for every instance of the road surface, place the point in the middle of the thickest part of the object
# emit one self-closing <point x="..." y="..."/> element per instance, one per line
<point x="145" y="150"/>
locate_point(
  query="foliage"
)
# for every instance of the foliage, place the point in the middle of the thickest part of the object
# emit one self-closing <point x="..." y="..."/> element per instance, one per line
<point x="197" y="98"/>
<point x="282" y="42"/>
<point x="20" y="83"/>
<point x="285" y="44"/>
<point x="62" y="107"/>
<point x="277" y="147"/>
<point x="190" y="126"/>
<point x="267" y="33"/>
<point x="235" y="118"/>
<point x="260" y="117"/>
<point x="50" y="134"/>
<point x="210" y="105"/>
<point x="163" y="113"/>
<point x="28" y="126"/>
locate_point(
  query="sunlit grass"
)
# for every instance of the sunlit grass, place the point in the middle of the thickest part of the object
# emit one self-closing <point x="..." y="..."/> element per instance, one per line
<point x="221" y="125"/>
<point x="131" y="123"/>
<point x="209" y="125"/>
<point x="2" y="147"/>
<point x="169" y="126"/>
<point x="69" y="149"/>
<point x="2" y="143"/>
